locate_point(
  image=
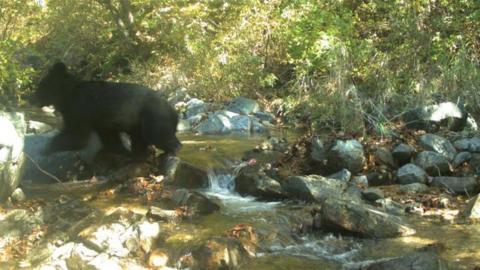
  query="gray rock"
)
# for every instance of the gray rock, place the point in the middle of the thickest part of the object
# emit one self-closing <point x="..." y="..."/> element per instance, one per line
<point x="265" y="116"/>
<point x="435" y="143"/>
<point x="194" y="107"/>
<point x="390" y="206"/>
<point x="433" y="163"/>
<point x="318" y="152"/>
<point x="195" y="202"/>
<point x="403" y="153"/>
<point x="181" y="95"/>
<point x="460" y="158"/>
<point x="196" y="119"/>
<point x="361" y="219"/>
<point x="218" y="122"/>
<point x="18" y="195"/>
<point x="384" y="157"/>
<point x="342" y="175"/>
<point x="219" y="253"/>
<point x="472" y="209"/>
<point x="414" y="188"/>
<point x="346" y="155"/>
<point x="372" y="194"/>
<point x="312" y="187"/>
<point x="243" y="106"/>
<point x="36" y="127"/>
<point x="360" y="180"/>
<point x="468" y="144"/>
<point x="410" y="173"/>
<point x="250" y="181"/>
<point x="424" y="260"/>
<point x="183" y="174"/>
<point x="447" y="113"/>
<point x="457" y="185"/>
<point x="241" y="123"/>
<point x="13" y="130"/>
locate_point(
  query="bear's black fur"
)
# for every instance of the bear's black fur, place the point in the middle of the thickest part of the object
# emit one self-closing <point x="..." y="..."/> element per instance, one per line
<point x="107" y="108"/>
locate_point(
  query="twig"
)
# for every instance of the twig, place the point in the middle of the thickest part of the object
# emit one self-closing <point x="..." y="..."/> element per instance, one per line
<point x="42" y="170"/>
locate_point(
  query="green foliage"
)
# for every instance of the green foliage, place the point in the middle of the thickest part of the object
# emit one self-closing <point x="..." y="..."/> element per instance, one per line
<point x="328" y="60"/>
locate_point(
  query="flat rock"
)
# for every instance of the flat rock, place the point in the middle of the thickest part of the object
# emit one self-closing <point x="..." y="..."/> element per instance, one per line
<point x="457" y="185"/>
<point x="312" y="187"/>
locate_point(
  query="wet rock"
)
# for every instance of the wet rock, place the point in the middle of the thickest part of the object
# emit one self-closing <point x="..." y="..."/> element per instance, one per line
<point x="372" y="194"/>
<point x="183" y="174"/>
<point x="318" y="152"/>
<point x="346" y="155"/>
<point x="219" y="253"/>
<point x="194" y="202"/>
<point x="383" y="156"/>
<point x="472" y="209"/>
<point x="171" y="216"/>
<point x="61" y="164"/>
<point x="468" y="144"/>
<point x="342" y="175"/>
<point x="433" y="163"/>
<point x="461" y="158"/>
<point x="243" y="106"/>
<point x="435" y="143"/>
<point x="414" y="188"/>
<point x="403" y="153"/>
<point x="425" y="260"/>
<point x="312" y="187"/>
<point x="250" y="181"/>
<point x="37" y="127"/>
<point x="361" y="219"/>
<point x="13" y="129"/>
<point x="122" y="233"/>
<point x="411" y="173"/>
<point x="457" y="185"/>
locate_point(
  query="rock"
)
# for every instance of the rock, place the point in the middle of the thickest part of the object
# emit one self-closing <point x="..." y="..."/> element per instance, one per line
<point x="346" y="155"/>
<point x="183" y="125"/>
<point x="383" y="156"/>
<point x="250" y="181"/>
<point x="410" y="173"/>
<point x="468" y="144"/>
<point x="461" y="158"/>
<point x="414" y="188"/>
<point x="425" y="260"/>
<point x="433" y="163"/>
<point x="472" y="209"/>
<point x="275" y="144"/>
<point x="194" y="107"/>
<point x="318" y="152"/>
<point x="183" y="174"/>
<point x="122" y="233"/>
<point x="312" y="187"/>
<point x="360" y="181"/>
<point x="361" y="219"/>
<point x="181" y="95"/>
<point x="13" y="130"/>
<point x="372" y="194"/>
<point x="243" y="106"/>
<point x="447" y="113"/>
<point x="157" y="259"/>
<point x="342" y="175"/>
<point x="403" y="153"/>
<point x="226" y="122"/>
<point x="219" y="253"/>
<point x="432" y="142"/>
<point x="61" y="164"/>
<point x="457" y="185"/>
<point x="18" y="195"/>
<point x="194" y="202"/>
<point x="257" y="126"/>
<point x="36" y="127"/>
<point x="390" y="206"/>
<point x="171" y="216"/>
<point x="196" y="119"/>
<point x="265" y="116"/>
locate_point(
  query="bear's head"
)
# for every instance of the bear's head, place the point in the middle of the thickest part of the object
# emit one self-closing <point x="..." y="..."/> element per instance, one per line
<point x="53" y="85"/>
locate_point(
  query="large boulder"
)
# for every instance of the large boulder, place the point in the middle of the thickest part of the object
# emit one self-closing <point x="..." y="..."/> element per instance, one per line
<point x="227" y="122"/>
<point x="243" y="106"/>
<point x="194" y="107"/>
<point x="457" y="185"/>
<point x="251" y="181"/>
<point x="433" y="163"/>
<point x="13" y="129"/>
<point x="411" y="173"/>
<point x="403" y="153"/>
<point x="312" y="187"/>
<point x="357" y="218"/>
<point x="182" y="174"/>
<point x="432" y="142"/>
<point x="347" y="154"/>
<point x="468" y="144"/>
<point x="383" y="156"/>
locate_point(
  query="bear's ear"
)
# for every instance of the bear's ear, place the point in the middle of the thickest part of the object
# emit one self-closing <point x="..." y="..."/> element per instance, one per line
<point x="59" y="68"/>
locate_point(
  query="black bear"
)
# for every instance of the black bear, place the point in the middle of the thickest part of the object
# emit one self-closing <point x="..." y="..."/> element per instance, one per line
<point x="107" y="108"/>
